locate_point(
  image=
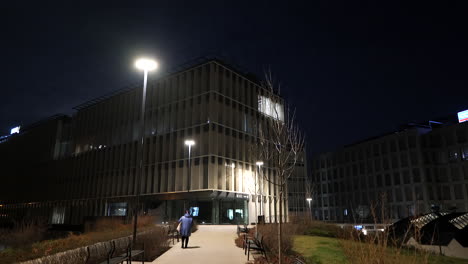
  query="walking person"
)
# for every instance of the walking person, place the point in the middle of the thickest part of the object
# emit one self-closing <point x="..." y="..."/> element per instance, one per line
<point x="186" y="222"/>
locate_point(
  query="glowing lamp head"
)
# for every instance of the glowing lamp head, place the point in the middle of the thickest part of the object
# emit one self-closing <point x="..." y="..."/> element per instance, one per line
<point x="259" y="163"/>
<point x="309" y="199"/>
<point x="15" y="130"/>
<point x="146" y="64"/>
<point x="189" y="142"/>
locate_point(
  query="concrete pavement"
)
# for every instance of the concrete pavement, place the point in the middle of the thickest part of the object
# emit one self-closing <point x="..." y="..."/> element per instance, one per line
<point x="210" y="244"/>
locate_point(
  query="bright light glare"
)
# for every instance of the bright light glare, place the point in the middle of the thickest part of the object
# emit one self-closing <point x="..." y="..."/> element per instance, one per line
<point x="259" y="163"/>
<point x="146" y="64"/>
<point x="189" y="142"/>
<point x="15" y="130"/>
<point x="309" y="199"/>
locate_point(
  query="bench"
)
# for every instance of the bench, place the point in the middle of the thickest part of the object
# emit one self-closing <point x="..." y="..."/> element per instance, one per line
<point x="132" y="252"/>
<point x="256" y="244"/>
<point x="244" y="229"/>
<point x="298" y="261"/>
<point x="115" y="252"/>
<point x="173" y="233"/>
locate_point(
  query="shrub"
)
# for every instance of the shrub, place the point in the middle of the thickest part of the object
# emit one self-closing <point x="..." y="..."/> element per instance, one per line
<point x="105" y="224"/>
<point x="24" y="233"/>
<point x="270" y="237"/>
<point x="156" y="242"/>
<point x="155" y="239"/>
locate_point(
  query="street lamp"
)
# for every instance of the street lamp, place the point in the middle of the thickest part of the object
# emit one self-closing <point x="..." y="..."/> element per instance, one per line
<point x="146" y="65"/>
<point x="259" y="165"/>
<point x="309" y="200"/>
<point x="189" y="143"/>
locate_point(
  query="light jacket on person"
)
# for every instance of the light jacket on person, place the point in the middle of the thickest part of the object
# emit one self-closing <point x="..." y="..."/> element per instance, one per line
<point x="186" y="225"/>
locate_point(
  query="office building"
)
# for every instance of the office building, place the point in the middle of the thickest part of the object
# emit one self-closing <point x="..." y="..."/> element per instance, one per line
<point x="413" y="171"/>
<point x="90" y="160"/>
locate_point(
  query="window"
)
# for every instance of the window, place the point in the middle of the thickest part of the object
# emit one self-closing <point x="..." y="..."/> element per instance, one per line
<point x="398" y="195"/>
<point x="404" y="160"/>
<point x="419" y="193"/>
<point x="461" y="136"/>
<point x="416" y="175"/>
<point x="117" y="209"/>
<point x="446" y="192"/>
<point x="270" y="108"/>
<point x="396" y="178"/>
<point x="464" y="153"/>
<point x="458" y="189"/>
<point x="394" y="162"/>
<point x="379" y="180"/>
<point x="406" y="177"/>
<point x="388" y="180"/>
<point x="455" y="174"/>
<point x="409" y="194"/>
<point x="402" y="144"/>
<point x="453" y="155"/>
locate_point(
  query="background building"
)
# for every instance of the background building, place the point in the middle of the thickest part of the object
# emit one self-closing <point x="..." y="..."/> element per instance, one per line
<point x="412" y="171"/>
<point x="91" y="162"/>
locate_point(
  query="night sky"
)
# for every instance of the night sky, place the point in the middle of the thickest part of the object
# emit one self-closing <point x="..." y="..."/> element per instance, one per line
<point x="352" y="70"/>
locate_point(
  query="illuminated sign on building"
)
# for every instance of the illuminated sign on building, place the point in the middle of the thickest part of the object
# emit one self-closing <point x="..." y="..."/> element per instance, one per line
<point x="15" y="130"/>
<point x="463" y="116"/>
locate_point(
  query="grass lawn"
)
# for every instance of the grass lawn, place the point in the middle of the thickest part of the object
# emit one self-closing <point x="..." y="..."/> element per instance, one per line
<point x="446" y="260"/>
<point x="318" y="250"/>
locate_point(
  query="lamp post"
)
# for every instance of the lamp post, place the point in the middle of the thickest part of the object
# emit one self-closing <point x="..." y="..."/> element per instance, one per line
<point x="233" y="179"/>
<point x="259" y="165"/>
<point x="309" y="200"/>
<point x="189" y="143"/>
<point x="146" y="65"/>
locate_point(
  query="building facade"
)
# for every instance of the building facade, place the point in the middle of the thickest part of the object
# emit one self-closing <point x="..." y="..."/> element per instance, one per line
<point x="416" y="170"/>
<point x="97" y="172"/>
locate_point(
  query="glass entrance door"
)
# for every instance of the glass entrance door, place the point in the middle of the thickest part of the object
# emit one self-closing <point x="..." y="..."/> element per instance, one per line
<point x="233" y="211"/>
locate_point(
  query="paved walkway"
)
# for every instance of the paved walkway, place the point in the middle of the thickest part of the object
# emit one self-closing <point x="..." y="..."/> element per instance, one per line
<point x="210" y="244"/>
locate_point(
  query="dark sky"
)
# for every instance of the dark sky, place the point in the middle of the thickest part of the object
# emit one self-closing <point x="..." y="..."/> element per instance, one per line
<point x="353" y="70"/>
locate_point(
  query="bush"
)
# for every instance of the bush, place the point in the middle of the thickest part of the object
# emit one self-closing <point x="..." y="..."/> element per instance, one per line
<point x="105" y="229"/>
<point x="156" y="242"/>
<point x="24" y="233"/>
<point x="270" y="237"/>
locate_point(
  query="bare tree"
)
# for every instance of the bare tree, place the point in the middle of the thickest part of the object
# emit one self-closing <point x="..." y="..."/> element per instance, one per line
<point x="281" y="144"/>
<point x="254" y="188"/>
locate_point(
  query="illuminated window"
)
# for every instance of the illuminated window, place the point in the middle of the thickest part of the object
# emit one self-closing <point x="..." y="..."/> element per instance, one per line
<point x="270" y="108"/>
<point x="117" y="209"/>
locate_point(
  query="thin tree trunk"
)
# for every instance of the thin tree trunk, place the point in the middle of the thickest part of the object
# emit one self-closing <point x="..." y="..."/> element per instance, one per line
<point x="279" y="224"/>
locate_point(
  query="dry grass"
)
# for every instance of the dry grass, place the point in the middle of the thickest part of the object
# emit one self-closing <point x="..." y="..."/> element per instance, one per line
<point x="381" y="247"/>
<point x="23" y="234"/>
<point x="155" y="240"/>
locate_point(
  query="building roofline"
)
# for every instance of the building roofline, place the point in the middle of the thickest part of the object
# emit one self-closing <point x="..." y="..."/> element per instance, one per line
<point x="193" y="63"/>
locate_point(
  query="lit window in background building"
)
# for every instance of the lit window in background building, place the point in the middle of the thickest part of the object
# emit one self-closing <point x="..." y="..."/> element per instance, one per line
<point x="463" y="116"/>
<point x="270" y="108"/>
